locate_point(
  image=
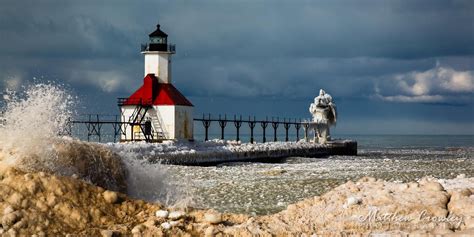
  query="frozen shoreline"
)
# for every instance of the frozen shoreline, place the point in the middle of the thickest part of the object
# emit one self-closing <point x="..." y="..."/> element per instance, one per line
<point x="44" y="204"/>
<point x="218" y="151"/>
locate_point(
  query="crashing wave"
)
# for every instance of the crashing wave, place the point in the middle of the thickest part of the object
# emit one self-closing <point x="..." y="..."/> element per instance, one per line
<point x="30" y="141"/>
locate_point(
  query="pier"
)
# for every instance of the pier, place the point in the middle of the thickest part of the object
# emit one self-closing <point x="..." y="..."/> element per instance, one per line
<point x="263" y="135"/>
<point x="275" y="155"/>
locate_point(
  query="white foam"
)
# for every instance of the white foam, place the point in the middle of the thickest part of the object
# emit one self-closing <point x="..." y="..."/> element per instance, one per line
<point x="31" y="119"/>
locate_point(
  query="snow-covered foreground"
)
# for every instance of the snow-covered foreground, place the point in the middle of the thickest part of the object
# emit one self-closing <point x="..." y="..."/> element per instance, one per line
<point x="42" y="204"/>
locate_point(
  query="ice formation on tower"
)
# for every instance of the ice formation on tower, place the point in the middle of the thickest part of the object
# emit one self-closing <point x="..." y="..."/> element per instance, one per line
<point x="324" y="115"/>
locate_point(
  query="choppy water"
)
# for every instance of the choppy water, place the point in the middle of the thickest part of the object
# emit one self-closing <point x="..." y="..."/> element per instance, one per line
<point x="261" y="188"/>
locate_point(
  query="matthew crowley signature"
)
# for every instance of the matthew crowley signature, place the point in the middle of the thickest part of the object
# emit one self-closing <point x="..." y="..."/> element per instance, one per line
<point x="374" y="216"/>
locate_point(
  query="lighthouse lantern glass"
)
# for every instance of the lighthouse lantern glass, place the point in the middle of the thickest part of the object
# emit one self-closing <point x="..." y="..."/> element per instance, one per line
<point x="158" y="40"/>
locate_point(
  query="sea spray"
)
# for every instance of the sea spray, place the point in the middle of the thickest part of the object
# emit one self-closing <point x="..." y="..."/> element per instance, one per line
<point x="31" y="119"/>
<point x="151" y="181"/>
<point x="30" y="141"/>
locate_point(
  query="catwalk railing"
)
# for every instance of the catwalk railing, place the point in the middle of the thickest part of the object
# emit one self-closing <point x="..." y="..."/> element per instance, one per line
<point x="96" y="126"/>
<point x="92" y="125"/>
<point x="252" y="122"/>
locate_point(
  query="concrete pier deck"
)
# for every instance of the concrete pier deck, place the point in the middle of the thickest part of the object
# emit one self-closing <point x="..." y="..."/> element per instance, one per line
<point x="314" y="150"/>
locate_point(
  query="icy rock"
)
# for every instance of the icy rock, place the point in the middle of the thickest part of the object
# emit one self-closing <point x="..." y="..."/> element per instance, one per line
<point x="106" y="233"/>
<point x="28" y="176"/>
<point x="433" y="186"/>
<point x="462" y="233"/>
<point x="137" y="229"/>
<point x="413" y="185"/>
<point x="20" y="224"/>
<point x="353" y="201"/>
<point x="11" y="218"/>
<point x="213" y="218"/>
<point x="161" y="213"/>
<point x="176" y="215"/>
<point x="166" y="225"/>
<point x="461" y="203"/>
<point x="469" y="223"/>
<point x="460" y="193"/>
<point x="441" y="232"/>
<point x="150" y="223"/>
<point x="32" y="187"/>
<point x="461" y="176"/>
<point x="15" y="199"/>
<point x="110" y="196"/>
<point x="12" y="232"/>
<point x="402" y="187"/>
<point x="210" y="231"/>
<point x="175" y="223"/>
<point x="51" y="200"/>
<point x="8" y="209"/>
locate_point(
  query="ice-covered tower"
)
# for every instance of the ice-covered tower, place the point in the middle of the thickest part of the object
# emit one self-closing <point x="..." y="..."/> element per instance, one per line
<point x="324" y="115"/>
<point x="157" y="111"/>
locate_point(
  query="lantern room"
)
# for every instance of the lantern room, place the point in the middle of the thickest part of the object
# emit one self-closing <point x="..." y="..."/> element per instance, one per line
<point x="158" y="40"/>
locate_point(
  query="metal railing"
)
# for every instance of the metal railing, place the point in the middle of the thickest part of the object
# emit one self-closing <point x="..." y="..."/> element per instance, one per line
<point x="171" y="48"/>
<point x="252" y="122"/>
<point x="133" y="101"/>
<point x="96" y="124"/>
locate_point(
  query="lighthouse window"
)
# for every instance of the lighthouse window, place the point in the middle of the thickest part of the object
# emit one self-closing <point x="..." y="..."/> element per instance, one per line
<point x="158" y="40"/>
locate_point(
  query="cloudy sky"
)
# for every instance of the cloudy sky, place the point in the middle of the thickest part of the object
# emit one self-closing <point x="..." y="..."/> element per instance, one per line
<point x="393" y="67"/>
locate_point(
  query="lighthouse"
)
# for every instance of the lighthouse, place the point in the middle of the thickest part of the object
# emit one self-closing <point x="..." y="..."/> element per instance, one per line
<point x="156" y="111"/>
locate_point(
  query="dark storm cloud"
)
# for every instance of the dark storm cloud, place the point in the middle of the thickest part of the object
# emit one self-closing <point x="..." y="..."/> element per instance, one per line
<point x="378" y="52"/>
<point x="332" y="29"/>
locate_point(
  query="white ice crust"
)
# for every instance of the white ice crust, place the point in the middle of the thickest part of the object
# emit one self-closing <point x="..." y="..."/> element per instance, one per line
<point x="140" y="149"/>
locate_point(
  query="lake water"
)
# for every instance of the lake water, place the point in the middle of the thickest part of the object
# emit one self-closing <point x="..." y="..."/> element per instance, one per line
<point x="262" y="188"/>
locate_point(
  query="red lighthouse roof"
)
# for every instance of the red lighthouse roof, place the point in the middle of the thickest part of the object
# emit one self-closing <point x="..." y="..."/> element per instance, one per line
<point x="154" y="93"/>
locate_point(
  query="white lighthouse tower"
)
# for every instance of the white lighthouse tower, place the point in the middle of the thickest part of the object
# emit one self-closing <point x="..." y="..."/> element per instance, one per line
<point x="158" y="56"/>
<point x="157" y="111"/>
